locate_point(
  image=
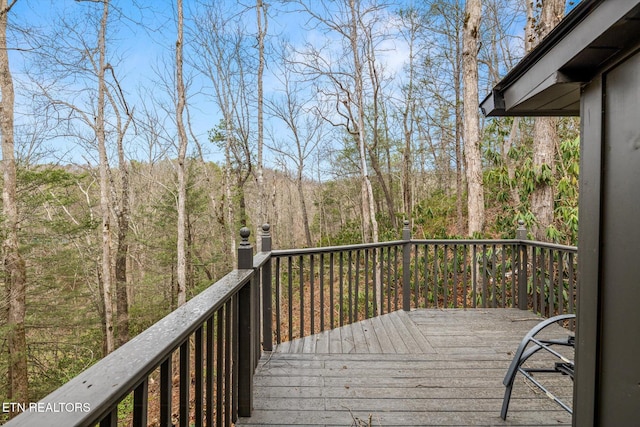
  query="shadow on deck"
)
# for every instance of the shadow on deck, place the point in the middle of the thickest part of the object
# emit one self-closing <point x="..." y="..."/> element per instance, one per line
<point x="424" y="367"/>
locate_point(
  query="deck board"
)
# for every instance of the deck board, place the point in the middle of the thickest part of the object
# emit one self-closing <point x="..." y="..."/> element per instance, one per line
<point x="373" y="341"/>
<point x="425" y="367"/>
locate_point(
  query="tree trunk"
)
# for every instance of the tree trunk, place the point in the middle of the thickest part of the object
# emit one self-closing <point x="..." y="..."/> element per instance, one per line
<point x="509" y="164"/>
<point x="475" y="196"/>
<point x="101" y="307"/>
<point x="15" y="276"/>
<point x="529" y="34"/>
<point x="373" y="148"/>
<point x="122" y="216"/>
<point x="303" y="209"/>
<point x="407" y="128"/>
<point x="105" y="187"/>
<point x="122" y="252"/>
<point x="182" y="153"/>
<point x="458" y="134"/>
<point x="242" y="200"/>
<point x="388" y="196"/>
<point x="368" y="203"/>
<point x="545" y="137"/>
<point x="261" y="12"/>
<point x="407" y="170"/>
<point x="229" y="211"/>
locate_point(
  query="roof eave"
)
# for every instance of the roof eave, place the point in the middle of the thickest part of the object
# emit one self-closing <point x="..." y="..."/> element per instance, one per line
<point x="547" y="81"/>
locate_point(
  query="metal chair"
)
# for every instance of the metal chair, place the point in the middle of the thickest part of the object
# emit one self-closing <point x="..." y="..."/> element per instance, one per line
<point x="525" y="351"/>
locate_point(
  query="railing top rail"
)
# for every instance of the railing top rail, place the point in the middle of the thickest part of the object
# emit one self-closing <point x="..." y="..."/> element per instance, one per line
<point x="260" y="259"/>
<point x="546" y="245"/>
<point x="347" y="248"/>
<point x="102" y="385"/>
<point x="466" y="241"/>
<point x="327" y="249"/>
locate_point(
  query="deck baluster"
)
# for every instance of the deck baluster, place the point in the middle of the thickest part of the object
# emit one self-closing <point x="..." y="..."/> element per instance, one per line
<point x="331" y="291"/>
<point x="199" y="377"/>
<point x="140" y="403"/>
<point x="185" y="383"/>
<point x="210" y="368"/>
<point x="165" y="391"/>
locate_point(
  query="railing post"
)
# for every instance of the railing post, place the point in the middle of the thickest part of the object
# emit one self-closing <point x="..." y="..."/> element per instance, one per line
<point x="521" y="231"/>
<point x="245" y="250"/>
<point x="406" y="267"/>
<point x="246" y="304"/>
<point x="521" y="235"/>
<point x="267" y="294"/>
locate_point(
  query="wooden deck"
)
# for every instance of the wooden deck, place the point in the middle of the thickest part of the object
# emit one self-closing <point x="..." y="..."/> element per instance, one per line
<point x="425" y="367"/>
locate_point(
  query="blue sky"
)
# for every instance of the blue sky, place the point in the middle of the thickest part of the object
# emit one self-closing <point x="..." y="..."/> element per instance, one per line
<point x="145" y="40"/>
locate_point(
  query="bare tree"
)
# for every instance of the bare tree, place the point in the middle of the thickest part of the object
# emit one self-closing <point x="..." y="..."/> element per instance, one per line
<point x="261" y="15"/>
<point x="341" y="80"/>
<point x="306" y="127"/>
<point x="440" y="99"/>
<point x="545" y="133"/>
<point x="15" y="273"/>
<point x="182" y="152"/>
<point x="498" y="51"/>
<point x="473" y="155"/>
<point x="411" y="30"/>
<point x="122" y="211"/>
<point x="223" y="57"/>
<point x="105" y="188"/>
<point x="76" y="80"/>
<point x="377" y="120"/>
<point x="358" y="102"/>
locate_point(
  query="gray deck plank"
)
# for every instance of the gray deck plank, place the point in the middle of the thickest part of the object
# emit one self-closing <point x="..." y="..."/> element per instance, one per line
<point x="382" y="392"/>
<point x="309" y="344"/>
<point x="402" y="332"/>
<point x="393" y="334"/>
<point x="400" y="418"/>
<point x="359" y="340"/>
<point x="347" y="339"/>
<point x="335" y="341"/>
<point x="297" y="345"/>
<point x="284" y="347"/>
<point x="424" y="345"/>
<point x="373" y="343"/>
<point x="322" y="342"/>
<point x="453" y="378"/>
<point x="383" y="338"/>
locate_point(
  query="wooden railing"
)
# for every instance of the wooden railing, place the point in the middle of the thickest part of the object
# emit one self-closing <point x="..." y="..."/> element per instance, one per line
<point x="197" y="363"/>
<point x="317" y="289"/>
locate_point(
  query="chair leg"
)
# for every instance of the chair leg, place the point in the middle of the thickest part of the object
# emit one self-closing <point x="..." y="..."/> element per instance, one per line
<point x="505" y="401"/>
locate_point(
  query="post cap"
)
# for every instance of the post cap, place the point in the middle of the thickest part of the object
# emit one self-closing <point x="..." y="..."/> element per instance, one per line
<point x="244" y="234"/>
<point x="521" y="231"/>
